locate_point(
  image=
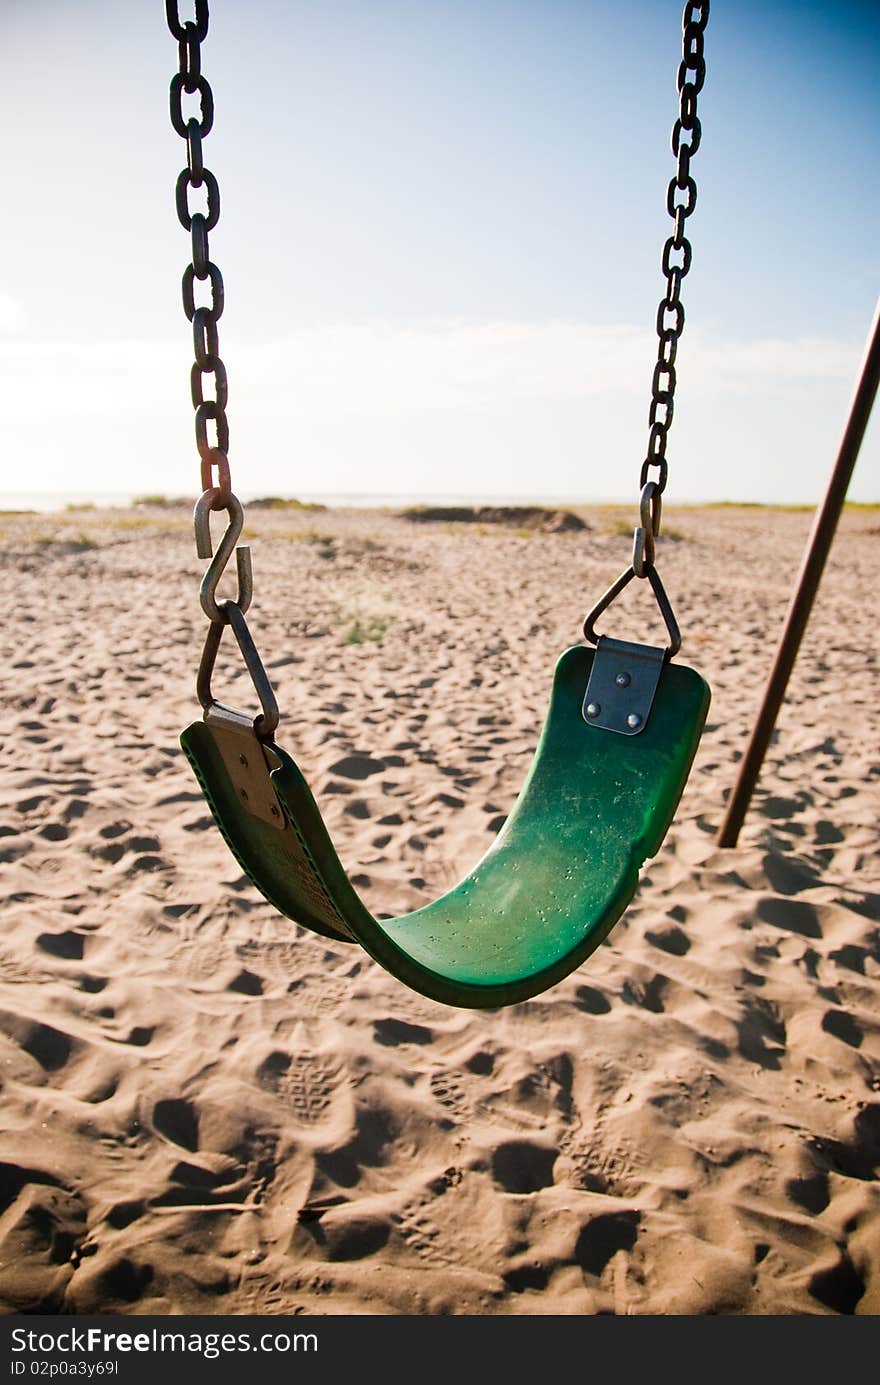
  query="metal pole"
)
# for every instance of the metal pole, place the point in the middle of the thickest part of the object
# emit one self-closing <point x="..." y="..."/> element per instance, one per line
<point x="812" y="566"/>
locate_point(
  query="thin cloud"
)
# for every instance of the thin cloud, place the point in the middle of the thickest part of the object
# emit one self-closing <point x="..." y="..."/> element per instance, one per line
<point x="360" y="368"/>
<point x="391" y="369"/>
<point x="12" y="313"/>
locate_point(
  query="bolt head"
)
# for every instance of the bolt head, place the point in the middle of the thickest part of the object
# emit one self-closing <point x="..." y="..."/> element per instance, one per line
<point x="593" y="709"/>
<point x="634" y="721"/>
<point x="244" y="794"/>
<point x="242" y="760"/>
<point x="623" y="680"/>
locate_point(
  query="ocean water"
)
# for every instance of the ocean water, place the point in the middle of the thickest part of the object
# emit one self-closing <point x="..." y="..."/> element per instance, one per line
<point x="47" y="502"/>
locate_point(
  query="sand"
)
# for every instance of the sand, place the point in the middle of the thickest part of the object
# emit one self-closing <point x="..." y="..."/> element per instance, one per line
<point x="207" y="1109"/>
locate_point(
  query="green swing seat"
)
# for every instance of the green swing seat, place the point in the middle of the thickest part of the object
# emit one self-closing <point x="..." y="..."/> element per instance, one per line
<point x="595" y="805"/>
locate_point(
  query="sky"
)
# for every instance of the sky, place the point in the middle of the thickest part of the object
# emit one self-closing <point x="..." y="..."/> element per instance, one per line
<point x="440" y="236"/>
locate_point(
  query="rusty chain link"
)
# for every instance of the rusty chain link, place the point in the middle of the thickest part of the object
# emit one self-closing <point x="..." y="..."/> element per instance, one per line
<point x="214" y="453"/>
<point x="217" y="493"/>
<point x="681" y="199"/>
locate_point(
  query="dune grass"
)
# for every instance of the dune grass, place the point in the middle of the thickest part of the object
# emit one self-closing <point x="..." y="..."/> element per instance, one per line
<point x="156" y="501"/>
<point x="368" y="629"/>
<point x="280" y="502"/>
<point x="618" y="527"/>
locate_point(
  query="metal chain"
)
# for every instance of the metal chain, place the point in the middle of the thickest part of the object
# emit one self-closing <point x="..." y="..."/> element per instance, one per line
<point x="204" y="318"/>
<point x="217" y="491"/>
<point x="681" y="199"/>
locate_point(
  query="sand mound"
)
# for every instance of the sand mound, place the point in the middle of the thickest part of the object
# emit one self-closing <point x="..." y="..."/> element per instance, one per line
<point x="512" y="516"/>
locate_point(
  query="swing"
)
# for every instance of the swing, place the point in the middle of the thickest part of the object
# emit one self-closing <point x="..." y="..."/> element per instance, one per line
<point x="621" y="732"/>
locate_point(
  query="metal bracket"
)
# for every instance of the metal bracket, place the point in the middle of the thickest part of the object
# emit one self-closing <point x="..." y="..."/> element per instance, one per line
<point x="623" y="681"/>
<point x="267" y="721"/>
<point x="246" y="763"/>
<point x="613" y="593"/>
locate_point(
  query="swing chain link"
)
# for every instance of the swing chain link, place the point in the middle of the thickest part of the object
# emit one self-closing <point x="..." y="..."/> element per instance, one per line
<point x="204" y="318"/>
<point x="217" y="491"/>
<point x="681" y="199"/>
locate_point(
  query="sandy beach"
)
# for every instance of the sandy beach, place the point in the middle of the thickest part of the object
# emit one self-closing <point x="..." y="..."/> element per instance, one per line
<point x="207" y="1109"/>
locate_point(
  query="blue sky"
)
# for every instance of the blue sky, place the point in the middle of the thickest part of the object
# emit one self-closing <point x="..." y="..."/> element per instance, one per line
<point x="440" y="237"/>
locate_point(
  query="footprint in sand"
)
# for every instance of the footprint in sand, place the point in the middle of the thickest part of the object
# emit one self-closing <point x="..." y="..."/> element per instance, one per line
<point x="481" y="1063"/>
<point x="143" y="849"/>
<point x="839" y="1286"/>
<point x="123" y="1281"/>
<point x="602" y="1162"/>
<point x="111" y="853"/>
<point x="787" y="876"/>
<point x="603" y="1236"/>
<point x="266" y="1297"/>
<point x="648" y="994"/>
<point x="69" y="946"/>
<point x="760" y="1022"/>
<point x="306" y="1082"/>
<point x="92" y="984"/>
<point x="146" y="863"/>
<point x="794" y="915"/>
<point x="850" y="956"/>
<point x="857" y="1157"/>
<point x="346" y="1235"/>
<point x="671" y="939"/>
<point x="55" y="832"/>
<point x="842" y="1025"/>
<point x="522" y="1166"/>
<point x="246" y="983"/>
<point x="588" y="1169"/>
<point x="139" y="845"/>
<point x="18" y="970"/>
<point x="812" y="1193"/>
<point x="199" y="824"/>
<point x="178" y="1121"/>
<point x="319" y="995"/>
<point x="247" y="1166"/>
<point x="391" y="1032"/>
<point x="410" y="1005"/>
<point x="827" y="833"/>
<point x="593" y="1001"/>
<point x="777" y="807"/>
<point x="122" y="1214"/>
<point x="35" y="730"/>
<point x="357" y="767"/>
<point x="423" y="1236"/>
<point x="49" y="1047"/>
<point x="115" y="829"/>
<point x="45" y="1224"/>
<point x="452" y="1096"/>
<point x="140" y="1035"/>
